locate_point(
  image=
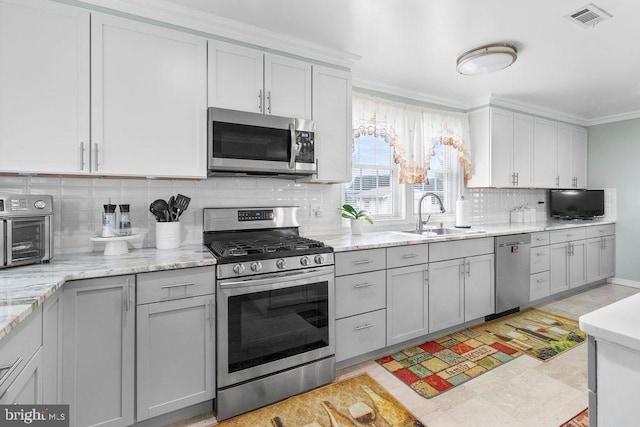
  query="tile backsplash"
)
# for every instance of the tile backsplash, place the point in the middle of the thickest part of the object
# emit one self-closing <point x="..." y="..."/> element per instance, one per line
<point x="78" y="204"/>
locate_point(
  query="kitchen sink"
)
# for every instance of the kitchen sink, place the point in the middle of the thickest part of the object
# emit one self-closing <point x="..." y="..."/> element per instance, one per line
<point x="435" y="232"/>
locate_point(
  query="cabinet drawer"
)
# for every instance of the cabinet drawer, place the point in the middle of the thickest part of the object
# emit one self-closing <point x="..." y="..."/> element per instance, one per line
<point x="539" y="259"/>
<point x="601" y="230"/>
<point x="360" y="293"/>
<point x="460" y="249"/>
<point x="539" y="286"/>
<point x="539" y="239"/>
<point x="18" y="348"/>
<point x="173" y="284"/>
<point x="360" y="334"/>
<point x="402" y="256"/>
<point x="360" y="261"/>
<point x="568" y="235"/>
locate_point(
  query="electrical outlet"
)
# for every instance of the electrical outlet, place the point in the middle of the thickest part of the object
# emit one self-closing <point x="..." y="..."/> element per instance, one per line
<point x="315" y="211"/>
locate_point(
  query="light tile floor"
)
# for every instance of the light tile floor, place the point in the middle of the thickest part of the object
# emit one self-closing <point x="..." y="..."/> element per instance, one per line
<point x="524" y="392"/>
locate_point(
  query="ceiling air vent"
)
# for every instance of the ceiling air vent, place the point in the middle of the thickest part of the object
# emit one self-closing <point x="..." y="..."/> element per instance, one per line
<point x="588" y="16"/>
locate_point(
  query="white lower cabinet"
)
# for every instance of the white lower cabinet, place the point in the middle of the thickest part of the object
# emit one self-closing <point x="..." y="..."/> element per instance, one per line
<point x="98" y="351"/>
<point x="407" y="303"/>
<point x="175" y="340"/>
<point x="567" y="266"/>
<point x="600" y="258"/>
<point x="479" y="287"/>
<point x="539" y="286"/>
<point x="446" y="294"/>
<point x="360" y="334"/>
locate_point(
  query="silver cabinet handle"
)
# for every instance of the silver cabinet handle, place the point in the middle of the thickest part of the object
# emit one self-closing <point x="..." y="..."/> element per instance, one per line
<point x="513" y="178"/>
<point x="361" y="327"/>
<point x="468" y="268"/>
<point x="407" y="256"/>
<point x="540" y="280"/>
<point x="81" y="155"/>
<point x="540" y="254"/>
<point x="363" y="285"/>
<point x="260" y="100"/>
<point x="177" y="285"/>
<point x="269" y="102"/>
<point x="363" y="261"/>
<point x="558" y="181"/>
<point x="95" y="148"/>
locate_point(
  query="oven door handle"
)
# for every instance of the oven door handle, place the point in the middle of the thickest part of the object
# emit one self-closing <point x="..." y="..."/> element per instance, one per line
<point x="296" y="275"/>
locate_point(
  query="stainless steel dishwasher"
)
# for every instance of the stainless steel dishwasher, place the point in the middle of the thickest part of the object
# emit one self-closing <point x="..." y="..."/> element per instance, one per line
<point x="512" y="273"/>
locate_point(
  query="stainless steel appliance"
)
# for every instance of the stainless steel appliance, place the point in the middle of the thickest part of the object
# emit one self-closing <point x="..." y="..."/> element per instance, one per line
<point x="275" y="307"/>
<point x="26" y="231"/>
<point x="260" y="144"/>
<point x="512" y="273"/>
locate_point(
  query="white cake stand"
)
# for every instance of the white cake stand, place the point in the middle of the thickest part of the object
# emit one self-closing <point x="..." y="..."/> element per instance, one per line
<point x="116" y="245"/>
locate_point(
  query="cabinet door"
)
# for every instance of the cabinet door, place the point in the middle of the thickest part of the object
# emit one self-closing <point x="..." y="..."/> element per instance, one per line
<point x="608" y="257"/>
<point x="175" y="355"/>
<point x="544" y="153"/>
<point x="332" y="114"/>
<point x="52" y="317"/>
<point x="407" y="303"/>
<point x="235" y="77"/>
<point x="98" y="351"/>
<point x="592" y="260"/>
<point x="565" y="157"/>
<point x="523" y="149"/>
<point x="44" y="87"/>
<point x="148" y="100"/>
<point x="479" y="287"/>
<point x="26" y="389"/>
<point x="361" y="334"/>
<point x="501" y="148"/>
<point x="287" y="86"/>
<point x="580" y="148"/>
<point x="446" y="294"/>
<point x="577" y="270"/>
<point x="558" y="268"/>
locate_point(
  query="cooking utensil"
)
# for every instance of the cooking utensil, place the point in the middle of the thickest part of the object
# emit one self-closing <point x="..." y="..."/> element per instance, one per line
<point x="181" y="204"/>
<point x="171" y="209"/>
<point x="160" y="209"/>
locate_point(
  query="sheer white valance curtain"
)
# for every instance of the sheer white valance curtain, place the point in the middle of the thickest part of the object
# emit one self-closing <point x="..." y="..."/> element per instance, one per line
<point x="412" y="132"/>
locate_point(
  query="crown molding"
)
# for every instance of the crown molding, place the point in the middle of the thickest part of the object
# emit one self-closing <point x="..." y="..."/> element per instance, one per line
<point x="219" y="27"/>
<point x="614" y="118"/>
<point x="537" y="110"/>
<point x="359" y="82"/>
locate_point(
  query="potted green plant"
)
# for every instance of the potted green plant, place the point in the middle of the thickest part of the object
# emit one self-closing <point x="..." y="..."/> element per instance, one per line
<point x="355" y="216"/>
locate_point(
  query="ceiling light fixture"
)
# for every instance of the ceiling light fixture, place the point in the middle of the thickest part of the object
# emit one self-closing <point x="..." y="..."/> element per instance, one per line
<point x="486" y="59"/>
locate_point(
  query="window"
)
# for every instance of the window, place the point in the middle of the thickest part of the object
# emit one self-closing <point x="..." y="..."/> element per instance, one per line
<point x="443" y="181"/>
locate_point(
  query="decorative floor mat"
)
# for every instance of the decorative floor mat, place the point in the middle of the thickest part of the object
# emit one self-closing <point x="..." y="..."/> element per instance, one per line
<point x="352" y="402"/>
<point x="439" y="365"/>
<point x="535" y="332"/>
<point x="580" y="420"/>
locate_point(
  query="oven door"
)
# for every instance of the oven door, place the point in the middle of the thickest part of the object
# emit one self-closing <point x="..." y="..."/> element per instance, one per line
<point x="273" y="323"/>
<point x="27" y="240"/>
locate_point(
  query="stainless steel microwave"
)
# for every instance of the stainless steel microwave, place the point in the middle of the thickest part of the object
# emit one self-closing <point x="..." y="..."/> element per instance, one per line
<point x="259" y="144"/>
<point x="26" y="232"/>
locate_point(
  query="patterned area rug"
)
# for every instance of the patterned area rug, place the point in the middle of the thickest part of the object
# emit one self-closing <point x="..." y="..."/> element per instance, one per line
<point x="580" y="420"/>
<point x="436" y="366"/>
<point x="357" y="401"/>
<point x="537" y="333"/>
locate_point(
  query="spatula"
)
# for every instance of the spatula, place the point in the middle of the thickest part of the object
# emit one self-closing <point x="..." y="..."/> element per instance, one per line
<point x="181" y="204"/>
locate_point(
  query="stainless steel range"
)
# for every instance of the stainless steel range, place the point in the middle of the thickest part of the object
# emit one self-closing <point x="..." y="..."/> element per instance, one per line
<point x="275" y="307"/>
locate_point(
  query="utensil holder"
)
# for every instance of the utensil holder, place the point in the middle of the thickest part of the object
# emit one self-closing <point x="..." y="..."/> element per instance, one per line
<point x="168" y="235"/>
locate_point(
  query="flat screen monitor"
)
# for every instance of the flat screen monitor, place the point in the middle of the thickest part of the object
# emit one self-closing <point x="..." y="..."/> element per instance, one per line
<point x="577" y="204"/>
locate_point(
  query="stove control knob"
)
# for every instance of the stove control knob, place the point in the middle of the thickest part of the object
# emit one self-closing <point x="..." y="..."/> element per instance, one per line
<point x="305" y="261"/>
<point x="256" y="266"/>
<point x="319" y="259"/>
<point x="238" y="268"/>
<point x="281" y="264"/>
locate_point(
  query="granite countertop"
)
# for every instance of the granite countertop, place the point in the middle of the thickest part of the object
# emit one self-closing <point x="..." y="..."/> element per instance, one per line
<point x="616" y="323"/>
<point x="22" y="289"/>
<point x="381" y="239"/>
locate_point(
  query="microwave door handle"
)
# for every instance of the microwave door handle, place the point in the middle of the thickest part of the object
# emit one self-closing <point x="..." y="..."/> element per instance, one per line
<point x="7" y="243"/>
<point x="292" y="158"/>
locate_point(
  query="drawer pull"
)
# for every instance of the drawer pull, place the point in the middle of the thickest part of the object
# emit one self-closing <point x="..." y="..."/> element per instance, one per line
<point x="365" y="326"/>
<point x="541" y="254"/>
<point x="10" y="369"/>
<point x="541" y="280"/>
<point x="363" y="261"/>
<point x="407" y="256"/>
<point x="177" y="285"/>
<point x="363" y="285"/>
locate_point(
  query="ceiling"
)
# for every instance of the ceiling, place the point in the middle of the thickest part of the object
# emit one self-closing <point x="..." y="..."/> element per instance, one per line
<point x="409" y="48"/>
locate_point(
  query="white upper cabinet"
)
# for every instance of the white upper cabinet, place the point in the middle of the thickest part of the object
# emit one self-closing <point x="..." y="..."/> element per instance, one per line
<point x="246" y="79"/>
<point x="44" y="87"/>
<point x="148" y="87"/>
<point x="572" y="156"/>
<point x="332" y="114"/>
<point x="501" y="148"/>
<point x="544" y="153"/>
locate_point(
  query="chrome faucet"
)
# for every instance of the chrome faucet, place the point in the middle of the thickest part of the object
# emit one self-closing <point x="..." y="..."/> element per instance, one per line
<point x="420" y="225"/>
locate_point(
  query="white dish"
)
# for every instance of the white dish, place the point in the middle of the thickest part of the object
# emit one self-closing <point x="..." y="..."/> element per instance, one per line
<point x="117" y="245"/>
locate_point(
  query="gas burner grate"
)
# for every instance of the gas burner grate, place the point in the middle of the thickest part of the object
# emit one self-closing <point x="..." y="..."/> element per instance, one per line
<point x="271" y="245"/>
